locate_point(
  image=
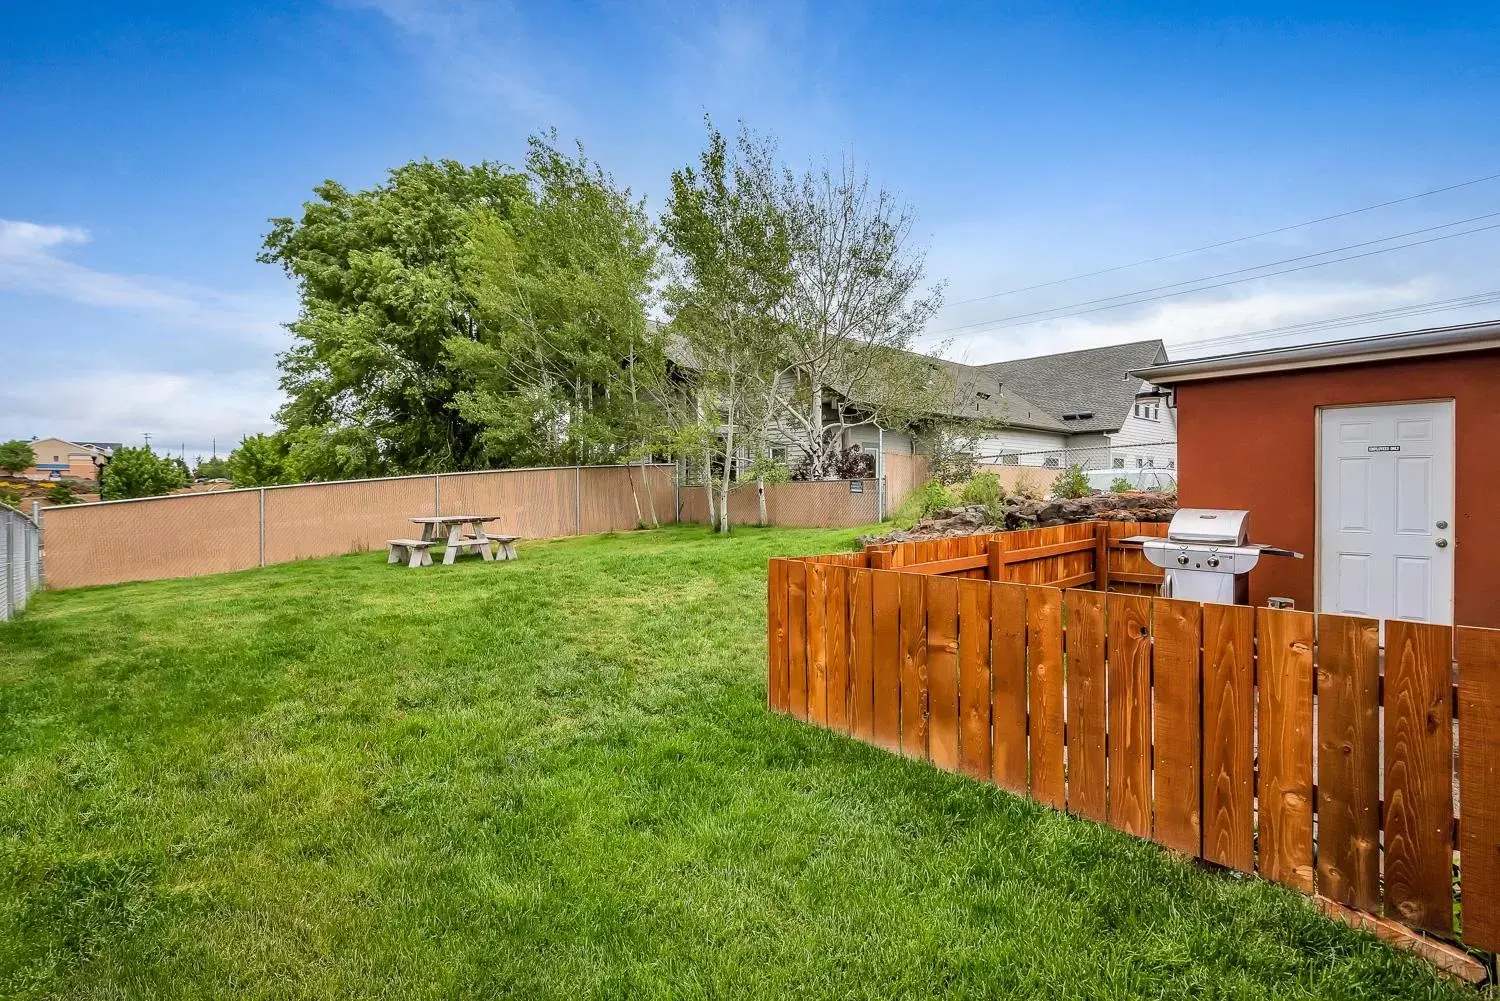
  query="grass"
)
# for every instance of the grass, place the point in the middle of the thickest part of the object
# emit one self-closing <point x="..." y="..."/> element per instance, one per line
<point x="551" y="779"/>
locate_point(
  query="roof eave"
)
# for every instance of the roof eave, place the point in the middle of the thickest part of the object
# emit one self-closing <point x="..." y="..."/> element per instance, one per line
<point x="1355" y="351"/>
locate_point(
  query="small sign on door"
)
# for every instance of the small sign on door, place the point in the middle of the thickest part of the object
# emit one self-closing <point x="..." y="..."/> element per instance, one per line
<point x="1382" y="448"/>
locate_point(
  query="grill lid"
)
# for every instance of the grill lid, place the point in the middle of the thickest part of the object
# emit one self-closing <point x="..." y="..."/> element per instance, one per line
<point x="1209" y="526"/>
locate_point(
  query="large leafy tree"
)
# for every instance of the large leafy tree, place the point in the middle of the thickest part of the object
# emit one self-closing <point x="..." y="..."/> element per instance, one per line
<point x="140" y="472"/>
<point x="732" y="246"/>
<point x="384" y="285"/>
<point x="16" y="456"/>
<point x="559" y="288"/>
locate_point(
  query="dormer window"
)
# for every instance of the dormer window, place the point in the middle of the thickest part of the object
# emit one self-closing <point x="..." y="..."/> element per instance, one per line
<point x="1081" y="415"/>
<point x="983" y="396"/>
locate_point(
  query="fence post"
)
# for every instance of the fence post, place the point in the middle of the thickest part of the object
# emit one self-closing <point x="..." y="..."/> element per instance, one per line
<point x="880" y="556"/>
<point x="996" y="549"/>
<point x="577" y="500"/>
<point x="1101" y="555"/>
<point x="262" y="520"/>
<point x="437" y="495"/>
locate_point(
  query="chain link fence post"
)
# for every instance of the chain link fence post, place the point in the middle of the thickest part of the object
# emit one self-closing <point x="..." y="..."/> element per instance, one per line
<point x="20" y="560"/>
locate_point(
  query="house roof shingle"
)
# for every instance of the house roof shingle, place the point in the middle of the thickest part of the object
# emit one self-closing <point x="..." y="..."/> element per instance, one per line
<point x="1094" y="381"/>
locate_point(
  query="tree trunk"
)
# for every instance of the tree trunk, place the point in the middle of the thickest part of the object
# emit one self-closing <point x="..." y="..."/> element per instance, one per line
<point x="650" y="495"/>
<point x="760" y="496"/>
<point x="708" y="484"/>
<point x="634" y="497"/>
<point x="728" y="467"/>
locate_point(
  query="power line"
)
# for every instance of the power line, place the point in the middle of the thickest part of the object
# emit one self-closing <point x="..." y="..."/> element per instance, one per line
<point x="1350" y="320"/>
<point x="1224" y="243"/>
<point x="1022" y="320"/>
<point x="1239" y="271"/>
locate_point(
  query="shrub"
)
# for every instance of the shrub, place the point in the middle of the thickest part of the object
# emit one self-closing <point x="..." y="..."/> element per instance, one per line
<point x="852" y="463"/>
<point x="10" y="497"/>
<point x="1026" y="486"/>
<point x="1120" y="485"/>
<point x="929" y="497"/>
<point x="1070" y="483"/>
<point x="61" y="493"/>
<point x="984" y="489"/>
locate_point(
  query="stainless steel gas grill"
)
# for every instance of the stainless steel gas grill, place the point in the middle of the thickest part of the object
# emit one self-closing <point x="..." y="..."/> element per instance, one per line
<point x="1207" y="556"/>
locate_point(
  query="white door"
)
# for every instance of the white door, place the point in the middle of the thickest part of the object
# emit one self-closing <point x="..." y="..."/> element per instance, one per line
<point x="1386" y="540"/>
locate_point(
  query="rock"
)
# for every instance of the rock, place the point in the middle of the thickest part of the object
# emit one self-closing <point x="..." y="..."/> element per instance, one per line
<point x="1025" y="512"/>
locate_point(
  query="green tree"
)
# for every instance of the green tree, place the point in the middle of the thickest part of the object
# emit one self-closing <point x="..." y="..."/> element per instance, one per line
<point x="384" y="280"/>
<point x="214" y="468"/>
<point x="259" y="461"/>
<point x="16" y="455"/>
<point x="559" y="290"/>
<point x="732" y="244"/>
<point x="140" y="472"/>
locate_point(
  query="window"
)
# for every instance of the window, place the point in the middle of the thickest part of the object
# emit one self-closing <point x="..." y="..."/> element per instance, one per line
<point x="1010" y="459"/>
<point x="1140" y="463"/>
<point x="778" y="453"/>
<point x="983" y="396"/>
<point x="1051" y="462"/>
<point x="1150" y="463"/>
<point x="1118" y="463"/>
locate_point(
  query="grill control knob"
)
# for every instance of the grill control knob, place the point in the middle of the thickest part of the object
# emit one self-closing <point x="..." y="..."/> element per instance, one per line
<point x="1183" y="560"/>
<point x="1212" y="561"/>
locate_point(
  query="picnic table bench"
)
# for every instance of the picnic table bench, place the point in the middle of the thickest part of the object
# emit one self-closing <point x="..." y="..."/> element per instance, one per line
<point x="476" y="541"/>
<point x="416" y="552"/>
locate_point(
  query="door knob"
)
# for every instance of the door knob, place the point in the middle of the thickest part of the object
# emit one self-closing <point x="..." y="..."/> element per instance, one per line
<point x="1442" y="543"/>
<point x="1442" y="524"/>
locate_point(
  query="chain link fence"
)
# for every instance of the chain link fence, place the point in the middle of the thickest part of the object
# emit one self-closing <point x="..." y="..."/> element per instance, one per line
<point x="1158" y="455"/>
<point x="21" y="558"/>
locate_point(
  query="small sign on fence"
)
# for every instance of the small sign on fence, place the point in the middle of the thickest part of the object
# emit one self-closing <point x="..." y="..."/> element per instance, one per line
<point x="856" y="486"/>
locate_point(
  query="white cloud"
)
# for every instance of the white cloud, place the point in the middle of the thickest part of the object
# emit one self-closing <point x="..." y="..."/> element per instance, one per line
<point x="173" y="407"/>
<point x="479" y="51"/>
<point x="1193" y="321"/>
<point x="31" y="263"/>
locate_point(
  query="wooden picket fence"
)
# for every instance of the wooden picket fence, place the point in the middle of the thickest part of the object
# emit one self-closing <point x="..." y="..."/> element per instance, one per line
<point x="1270" y="741"/>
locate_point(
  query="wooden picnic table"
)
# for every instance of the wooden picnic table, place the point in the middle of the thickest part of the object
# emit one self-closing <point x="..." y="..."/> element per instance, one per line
<point x="475" y="542"/>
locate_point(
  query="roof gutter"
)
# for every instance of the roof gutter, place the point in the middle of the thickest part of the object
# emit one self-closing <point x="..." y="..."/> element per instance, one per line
<point x="1355" y="351"/>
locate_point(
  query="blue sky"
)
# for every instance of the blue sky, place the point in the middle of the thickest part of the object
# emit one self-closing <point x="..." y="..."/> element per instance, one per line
<point x="145" y="145"/>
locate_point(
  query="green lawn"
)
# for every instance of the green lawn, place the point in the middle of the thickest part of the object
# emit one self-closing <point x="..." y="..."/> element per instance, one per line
<point x="550" y="779"/>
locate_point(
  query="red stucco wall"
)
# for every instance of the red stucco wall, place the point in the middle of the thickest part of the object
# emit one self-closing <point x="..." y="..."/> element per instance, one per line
<point x="1251" y="442"/>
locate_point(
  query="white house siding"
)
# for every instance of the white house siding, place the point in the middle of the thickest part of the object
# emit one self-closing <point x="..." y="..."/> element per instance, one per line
<point x="1031" y="448"/>
<point x="1146" y="443"/>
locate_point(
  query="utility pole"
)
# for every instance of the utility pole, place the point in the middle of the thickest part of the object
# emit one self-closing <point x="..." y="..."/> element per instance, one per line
<point x="147" y="436"/>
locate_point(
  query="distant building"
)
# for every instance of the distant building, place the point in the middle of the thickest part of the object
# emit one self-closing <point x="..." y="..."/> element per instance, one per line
<point x="78" y="460"/>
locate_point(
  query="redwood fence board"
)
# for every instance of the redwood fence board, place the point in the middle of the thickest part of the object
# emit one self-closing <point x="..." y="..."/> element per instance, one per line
<point x="836" y="626"/>
<point x="797" y="646"/>
<point x="1129" y="679"/>
<point x="1008" y="757"/>
<point x="974" y="677"/>
<point x="1418" y="774"/>
<point x="817" y="643"/>
<point x="1284" y="641"/>
<point x="885" y="658"/>
<point x="913" y="667"/>
<point x="1349" y="761"/>
<point x="1044" y="659"/>
<point x="1189" y="724"/>
<point x="1229" y="735"/>
<point x="1479" y="784"/>
<point x="1088" y="795"/>
<point x="942" y="672"/>
<point x="1176" y="627"/>
<point x="861" y="659"/>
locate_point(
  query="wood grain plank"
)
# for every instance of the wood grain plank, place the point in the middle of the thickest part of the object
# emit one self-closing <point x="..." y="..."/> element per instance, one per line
<point x="974" y="677"/>
<point x="796" y="637"/>
<point x="1129" y="674"/>
<point x="885" y="658"/>
<point x="817" y="643"/>
<point x="1419" y="774"/>
<point x="836" y="624"/>
<point x="861" y="656"/>
<point x="1044" y="661"/>
<point x="1478" y="782"/>
<point x="1088" y="792"/>
<point x="942" y="672"/>
<point x="913" y="666"/>
<point x="1349" y="761"/>
<point x="1178" y="738"/>
<point x="1008" y="754"/>
<point x="1285" y="642"/>
<point x="1229" y="735"/>
<point x="776" y="685"/>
